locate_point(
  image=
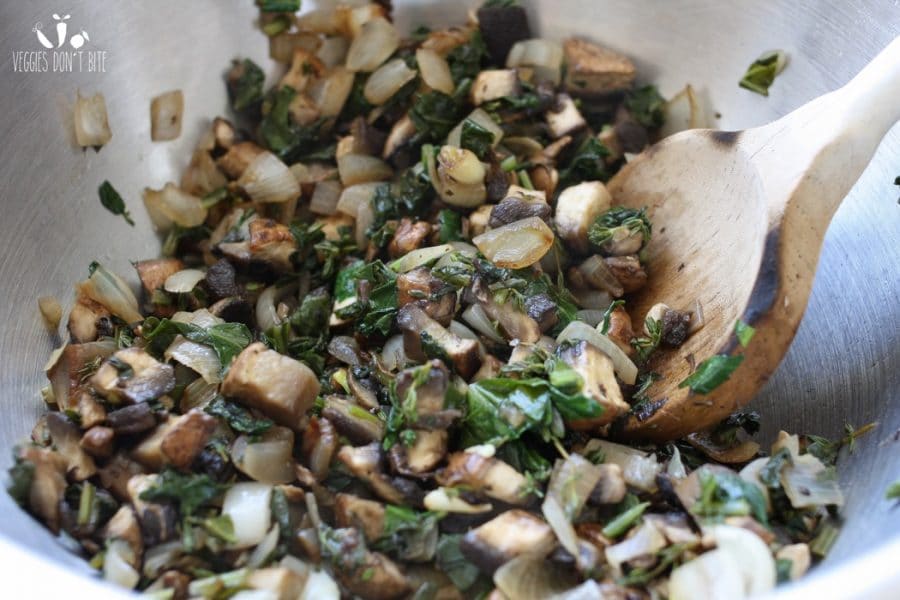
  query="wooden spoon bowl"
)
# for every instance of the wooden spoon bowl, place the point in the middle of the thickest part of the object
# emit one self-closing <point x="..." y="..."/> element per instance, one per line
<point x="739" y="219"/>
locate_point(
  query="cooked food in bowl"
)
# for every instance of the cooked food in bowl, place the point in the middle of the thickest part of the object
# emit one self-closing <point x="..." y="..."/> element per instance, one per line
<point x="387" y="345"/>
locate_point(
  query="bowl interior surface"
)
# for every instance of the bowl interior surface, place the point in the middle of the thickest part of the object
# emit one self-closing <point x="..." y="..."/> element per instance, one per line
<point x="844" y="365"/>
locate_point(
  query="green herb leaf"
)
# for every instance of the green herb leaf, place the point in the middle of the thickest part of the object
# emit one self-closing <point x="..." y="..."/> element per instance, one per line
<point x="434" y="114"/>
<point x="770" y="474"/>
<point x="893" y="491"/>
<point x="712" y="372"/>
<point x="646" y="106"/>
<point x="21" y="475"/>
<point x="451" y="561"/>
<point x="237" y="417"/>
<point x="743" y="332"/>
<point x="783" y="568"/>
<point x="290" y="142"/>
<point x="727" y="494"/>
<point x="645" y="345"/>
<point x="623" y="521"/>
<point x="449" y="226"/>
<point x="465" y="60"/>
<point x="112" y="201"/>
<point x="278" y="5"/>
<point x="476" y="138"/>
<point x="189" y="492"/>
<point x="247" y="90"/>
<point x="607" y="314"/>
<point x="227" y="339"/>
<point x="631" y="219"/>
<point x="761" y="74"/>
<point x="409" y="534"/>
<point x="587" y="164"/>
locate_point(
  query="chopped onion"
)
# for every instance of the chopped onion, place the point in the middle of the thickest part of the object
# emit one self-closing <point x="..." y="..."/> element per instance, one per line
<point x="325" y="198"/>
<point x="440" y="500"/>
<point x="365" y="218"/>
<point x="543" y="56"/>
<point x="419" y="257"/>
<point x="345" y="349"/>
<point x="453" y="192"/>
<point x="475" y="316"/>
<point x="675" y="468"/>
<point x="354" y="196"/>
<point x="165" y="116"/>
<point x="596" y="272"/>
<point x="684" y="111"/>
<point x="330" y="93"/>
<point x="267" y="459"/>
<point x="91" y="122"/>
<point x="638" y="468"/>
<point x="360" y="168"/>
<point x="320" y="586"/>
<point x="590" y="316"/>
<point x="435" y="70"/>
<point x="647" y="540"/>
<point x="282" y="46"/>
<point x="264" y="549"/>
<point x="266" y="311"/>
<point x="714" y="575"/>
<point x="200" y="358"/>
<point x="201" y="318"/>
<point x="184" y="281"/>
<point x="572" y="482"/>
<point x="387" y="81"/>
<point x="592" y="299"/>
<point x="197" y="394"/>
<point x="751" y="555"/>
<point x="160" y="557"/>
<point x="268" y="180"/>
<point x="458" y="165"/>
<point x="116" y="564"/>
<point x="517" y="245"/>
<point x="173" y="205"/>
<point x="108" y="289"/>
<point x="247" y="504"/>
<point x="560" y="524"/>
<point x="462" y="331"/>
<point x="333" y="51"/>
<point x="624" y="368"/>
<point x="202" y="175"/>
<point x="807" y="483"/>
<point x="531" y="577"/>
<point x="50" y="310"/>
<point x="377" y="40"/>
<point x="480" y="117"/>
<point x="320" y="20"/>
<point x="393" y="355"/>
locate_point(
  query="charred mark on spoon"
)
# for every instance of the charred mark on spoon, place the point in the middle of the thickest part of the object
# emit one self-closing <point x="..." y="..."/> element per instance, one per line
<point x="725" y="138"/>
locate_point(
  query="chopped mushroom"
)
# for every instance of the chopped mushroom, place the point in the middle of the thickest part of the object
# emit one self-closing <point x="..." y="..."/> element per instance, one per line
<point x="365" y="515"/>
<point x="676" y="326"/>
<point x="409" y="236"/>
<point x="279" y="386"/>
<point x="598" y="382"/>
<point x="153" y="273"/>
<point x="280" y="582"/>
<point x="488" y="475"/>
<point x="352" y="421"/>
<point x="516" y="208"/>
<point x="594" y="70"/>
<point x="70" y="368"/>
<point x="620" y="330"/>
<point x="48" y="482"/>
<point x="365" y="462"/>
<point x="502" y="25"/>
<point x="400" y="135"/>
<point x="543" y="310"/>
<point x="577" y="208"/>
<point x="66" y="440"/>
<point x="514" y="323"/>
<point x="133" y="419"/>
<point x="506" y="536"/>
<point x="131" y="375"/>
<point x="319" y="444"/>
<point x="238" y="157"/>
<point x="433" y="295"/>
<point x="423" y="337"/>
<point x="271" y="244"/>
<point x="629" y="271"/>
<point x="428" y="395"/>
<point x="88" y="320"/>
<point x="420" y="458"/>
<point x="124" y="526"/>
<point x="564" y="118"/>
<point x="117" y="472"/>
<point x="493" y="84"/>
<point x="98" y="441"/>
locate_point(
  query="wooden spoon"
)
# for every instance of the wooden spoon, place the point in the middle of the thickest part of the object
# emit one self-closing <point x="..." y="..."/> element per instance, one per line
<point x="738" y="222"/>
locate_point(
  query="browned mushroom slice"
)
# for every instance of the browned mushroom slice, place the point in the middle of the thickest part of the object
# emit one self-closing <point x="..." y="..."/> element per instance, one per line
<point x="131" y="375"/>
<point x="487" y="475"/>
<point x="433" y="295"/>
<point x="401" y="133"/>
<point x="365" y="462"/>
<point x="516" y="208"/>
<point x="363" y="389"/>
<point x="271" y="244"/>
<point x="493" y="84"/>
<point x="66" y="440"/>
<point x="277" y="385"/>
<point x="628" y="271"/>
<point x="364" y="573"/>
<point x="353" y="421"/>
<point x="238" y="157"/>
<point x="501" y="27"/>
<point x="490" y="368"/>
<point x="429" y="400"/>
<point x="88" y="320"/>
<point x="420" y="458"/>
<point x="423" y="337"/>
<point x="71" y="367"/>
<point x="157" y="520"/>
<point x="514" y="323"/>
<point x="408" y="236"/>
<point x="598" y="382"/>
<point x="98" y="441"/>
<point x="116" y="473"/>
<point x="620" y="330"/>
<point x="506" y="536"/>
<point x="124" y="526"/>
<point x="543" y="310"/>
<point x="220" y="280"/>
<point x="365" y="515"/>
<point x="153" y="273"/>
<point x="47" y="483"/>
<point x="136" y="418"/>
<point x="319" y="443"/>
<point x="594" y="70"/>
<point x="90" y="411"/>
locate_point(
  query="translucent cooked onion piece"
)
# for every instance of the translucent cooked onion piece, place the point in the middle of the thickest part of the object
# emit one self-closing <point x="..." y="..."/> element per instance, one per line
<point x="377" y="40"/>
<point x="267" y="459"/>
<point x="171" y="205"/>
<point x="268" y="180"/>
<point x="517" y="245"/>
<point x="165" y="116"/>
<point x="461" y="166"/>
<point x="545" y="57"/>
<point x="247" y="504"/>
<point x="325" y="198"/>
<point x="91" y="121"/>
<point x="684" y="111"/>
<point x="108" y="289"/>
<point x="435" y="70"/>
<point x="638" y="468"/>
<point x="183" y="281"/>
<point x="354" y="196"/>
<point x="475" y="316"/>
<point x="808" y="483"/>
<point x="116" y="565"/>
<point x="623" y="366"/>
<point x="365" y="218"/>
<point x="330" y="93"/>
<point x="387" y="81"/>
<point x="420" y="257"/>
<point x="393" y="355"/>
<point x="531" y="577"/>
<point x="200" y="358"/>
<point x="360" y="168"/>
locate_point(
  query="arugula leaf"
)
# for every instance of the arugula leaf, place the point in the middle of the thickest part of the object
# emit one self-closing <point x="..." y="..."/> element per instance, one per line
<point x="586" y="164"/>
<point x="188" y="492"/>
<point x="112" y="201"/>
<point x="451" y="561"/>
<point x="311" y="316"/>
<point x="783" y="568"/>
<point x="290" y="142"/>
<point x="712" y="372"/>
<point x="377" y="313"/>
<point x="247" y="88"/>
<point x="761" y="73"/>
<point x="646" y="106"/>
<point x="466" y="59"/>
<point x="728" y="494"/>
<point x="743" y="332"/>
<point x="227" y="339"/>
<point x="449" y="224"/>
<point x="278" y="5"/>
<point x="237" y="417"/>
<point x="523" y="456"/>
<point x="310" y="351"/>
<point x="604" y="227"/>
<point x="476" y="138"/>
<point x="222" y="527"/>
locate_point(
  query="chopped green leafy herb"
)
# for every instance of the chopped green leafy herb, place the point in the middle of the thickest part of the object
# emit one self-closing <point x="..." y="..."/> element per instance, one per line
<point x="451" y="561"/>
<point x="449" y="226"/>
<point x="607" y="314"/>
<point x="646" y="106"/>
<point x="247" y="89"/>
<point x="227" y="339"/>
<point x="743" y="332"/>
<point x="237" y="417"/>
<point x="465" y="60"/>
<point x="21" y="474"/>
<point x="476" y="138"/>
<point x="631" y="219"/>
<point x="893" y="491"/>
<point x="278" y="5"/>
<point x="112" y="201"/>
<point x="712" y="372"/>
<point x="761" y="74"/>
<point x="587" y="164"/>
<point x="727" y="494"/>
<point x="645" y="345"/>
<point x="290" y="142"/>
<point x="409" y="534"/>
<point x="623" y="521"/>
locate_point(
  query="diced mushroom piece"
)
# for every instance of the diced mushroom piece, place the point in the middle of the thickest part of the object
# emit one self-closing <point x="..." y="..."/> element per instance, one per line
<point x="594" y="70"/>
<point x="66" y="440"/>
<point x="277" y="385"/>
<point x="598" y="382"/>
<point x="116" y="473"/>
<point x="272" y="244"/>
<point x="631" y="135"/>
<point x="282" y="583"/>
<point x="220" y="280"/>
<point x="798" y="555"/>
<point x="423" y="337"/>
<point x="365" y="515"/>
<point x="238" y="157"/>
<point x="90" y="411"/>
<point x="401" y="133"/>
<point x="368" y="574"/>
<point x="98" y="441"/>
<point x="502" y="26"/>
<point x="70" y="367"/>
<point x="318" y="446"/>
<point x="479" y="218"/>
<point x="506" y="536"/>
<point x="676" y="327"/>
<point x="88" y="320"/>
<point x="492" y="84"/>
<point x="443" y="41"/>
<point x="303" y="110"/>
<point x="233" y="310"/>
<point x="153" y="273"/>
<point x="620" y="330"/>
<point x="564" y="117"/>
<point x="490" y="368"/>
<point x="187" y="438"/>
<point x="48" y="482"/>
<point x="422" y="456"/>
<point x="365" y="462"/>
<point x="516" y="208"/>
<point x="487" y="475"/>
<point x="515" y="324"/>
<point x="543" y="310"/>
<point x="305" y="66"/>
<point x="158" y="521"/>
<point x="577" y="208"/>
<point x="433" y="295"/>
<point x="427" y="392"/>
<point x="408" y="236"/>
<point x="124" y="526"/>
<point x="364" y="390"/>
<point x="611" y="488"/>
<point x="131" y="375"/>
<point x="352" y="421"/>
<point x="629" y="271"/>
<point x="133" y="419"/>
<point x="223" y="135"/>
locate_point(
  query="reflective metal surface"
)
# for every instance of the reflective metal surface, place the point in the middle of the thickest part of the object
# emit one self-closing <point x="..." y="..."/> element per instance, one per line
<point x="844" y="366"/>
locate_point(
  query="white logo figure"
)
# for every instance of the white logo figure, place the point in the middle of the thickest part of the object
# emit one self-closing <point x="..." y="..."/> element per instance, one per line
<point x="76" y="41"/>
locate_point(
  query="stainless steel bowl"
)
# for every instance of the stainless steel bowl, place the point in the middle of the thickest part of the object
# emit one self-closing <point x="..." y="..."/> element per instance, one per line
<point x="844" y="366"/>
